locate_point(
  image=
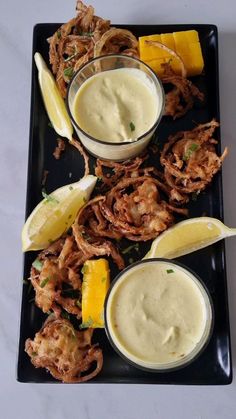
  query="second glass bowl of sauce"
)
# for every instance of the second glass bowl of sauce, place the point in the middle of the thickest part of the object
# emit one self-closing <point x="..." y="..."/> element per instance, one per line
<point x="158" y="315"/>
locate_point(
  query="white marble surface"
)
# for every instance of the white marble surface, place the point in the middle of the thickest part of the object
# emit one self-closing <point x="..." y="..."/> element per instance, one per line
<point x="24" y="401"/>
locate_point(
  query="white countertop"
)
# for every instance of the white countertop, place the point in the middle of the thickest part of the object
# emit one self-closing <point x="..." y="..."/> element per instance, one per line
<point x="24" y="401"/>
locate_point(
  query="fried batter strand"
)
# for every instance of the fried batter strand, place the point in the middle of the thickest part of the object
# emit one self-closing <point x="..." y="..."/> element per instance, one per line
<point x="66" y="353"/>
<point x="190" y="161"/>
<point x="181" y="98"/>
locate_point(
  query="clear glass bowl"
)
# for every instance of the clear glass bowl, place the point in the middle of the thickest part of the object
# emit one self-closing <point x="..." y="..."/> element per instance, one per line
<point x="119" y="345"/>
<point x="104" y="149"/>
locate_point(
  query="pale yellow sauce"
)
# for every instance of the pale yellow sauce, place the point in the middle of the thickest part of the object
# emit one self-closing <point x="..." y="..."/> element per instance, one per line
<point x="117" y="105"/>
<point x="156" y="317"/>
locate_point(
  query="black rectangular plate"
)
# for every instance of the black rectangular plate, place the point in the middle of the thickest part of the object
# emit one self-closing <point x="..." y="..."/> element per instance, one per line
<point x="214" y="364"/>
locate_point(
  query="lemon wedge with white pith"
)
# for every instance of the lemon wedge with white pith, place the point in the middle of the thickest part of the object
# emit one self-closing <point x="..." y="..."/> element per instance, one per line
<point x="55" y="214"/>
<point x="188" y="236"/>
<point x="54" y="103"/>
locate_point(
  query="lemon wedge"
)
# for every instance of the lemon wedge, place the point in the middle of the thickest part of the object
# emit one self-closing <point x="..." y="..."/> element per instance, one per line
<point x="55" y="214"/>
<point x="54" y="103"/>
<point x="188" y="236"/>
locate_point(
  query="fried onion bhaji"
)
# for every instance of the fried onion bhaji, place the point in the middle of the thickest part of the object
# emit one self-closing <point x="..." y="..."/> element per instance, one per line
<point x="181" y="98"/>
<point x="84" y="37"/>
<point x="190" y="161"/>
<point x="57" y="282"/>
<point x="66" y="353"/>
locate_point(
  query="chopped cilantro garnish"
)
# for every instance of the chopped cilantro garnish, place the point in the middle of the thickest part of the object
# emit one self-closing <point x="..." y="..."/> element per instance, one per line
<point x="84" y="270"/>
<point x="83" y="33"/>
<point x="132" y="126"/>
<point x="78" y="303"/>
<point x="59" y="34"/>
<point x="49" y="198"/>
<point x="44" y="282"/>
<point x="103" y="279"/>
<point x="37" y="264"/>
<point x="193" y="147"/>
<point x="129" y="248"/>
<point x="34" y="354"/>
<point x="86" y="324"/>
<point x="169" y="271"/>
<point x="195" y="195"/>
<point x="68" y="72"/>
<point x="50" y="124"/>
<point x="65" y="315"/>
<point x="71" y="188"/>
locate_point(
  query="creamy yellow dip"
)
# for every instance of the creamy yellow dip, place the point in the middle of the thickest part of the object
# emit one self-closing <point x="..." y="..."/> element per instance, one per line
<point x="156" y="314"/>
<point x="117" y="105"/>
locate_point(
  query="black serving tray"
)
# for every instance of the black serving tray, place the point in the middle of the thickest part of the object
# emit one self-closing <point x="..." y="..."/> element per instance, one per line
<point x="214" y="364"/>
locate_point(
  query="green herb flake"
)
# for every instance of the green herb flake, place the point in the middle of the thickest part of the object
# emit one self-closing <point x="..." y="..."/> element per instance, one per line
<point x="84" y="199"/>
<point x="69" y="216"/>
<point x="50" y="124"/>
<point x="132" y="126"/>
<point x="78" y="303"/>
<point x="71" y="188"/>
<point x="169" y="271"/>
<point x="68" y="72"/>
<point x="86" y="324"/>
<point x="103" y="279"/>
<point x="59" y="34"/>
<point x="84" y="270"/>
<point x="49" y="198"/>
<point x="129" y="248"/>
<point x="84" y="33"/>
<point x="32" y="300"/>
<point x="38" y="265"/>
<point x="34" y="354"/>
<point x="44" y="282"/>
<point x="65" y="315"/>
<point x="193" y="147"/>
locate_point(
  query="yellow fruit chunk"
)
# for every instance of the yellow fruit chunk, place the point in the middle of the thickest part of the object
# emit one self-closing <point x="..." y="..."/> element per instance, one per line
<point x="96" y="281"/>
<point x="185" y="43"/>
<point x="188" y="236"/>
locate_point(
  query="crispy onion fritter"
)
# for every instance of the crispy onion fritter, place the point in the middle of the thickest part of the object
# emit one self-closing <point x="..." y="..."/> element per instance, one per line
<point x="58" y="284"/>
<point x="134" y="207"/>
<point x="66" y="353"/>
<point x="181" y="98"/>
<point x="190" y="161"/>
<point x="84" y="37"/>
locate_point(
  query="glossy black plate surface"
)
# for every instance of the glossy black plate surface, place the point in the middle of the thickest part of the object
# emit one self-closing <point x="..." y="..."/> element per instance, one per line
<point x="214" y="365"/>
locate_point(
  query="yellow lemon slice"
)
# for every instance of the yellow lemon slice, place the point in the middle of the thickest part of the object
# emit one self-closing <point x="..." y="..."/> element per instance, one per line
<point x="55" y="214"/>
<point x="54" y="103"/>
<point x="188" y="236"/>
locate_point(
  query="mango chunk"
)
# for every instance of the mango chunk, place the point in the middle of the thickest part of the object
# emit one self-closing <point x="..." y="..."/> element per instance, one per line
<point x="96" y="281"/>
<point x="185" y="43"/>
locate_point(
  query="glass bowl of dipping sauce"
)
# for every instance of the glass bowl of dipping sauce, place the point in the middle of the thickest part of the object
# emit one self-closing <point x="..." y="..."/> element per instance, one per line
<point x="158" y="315"/>
<point x="115" y="103"/>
